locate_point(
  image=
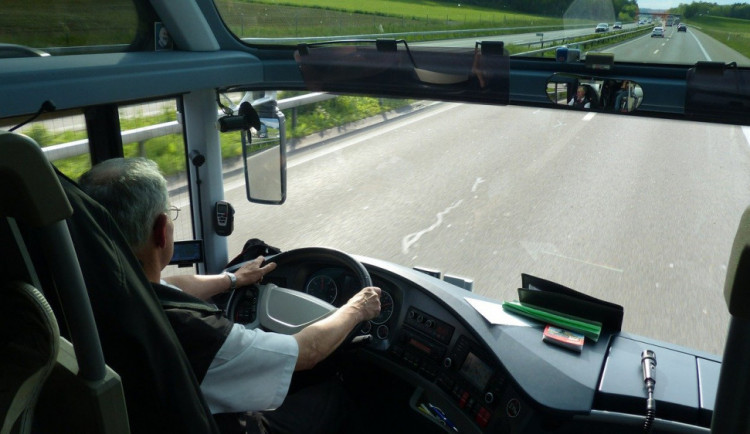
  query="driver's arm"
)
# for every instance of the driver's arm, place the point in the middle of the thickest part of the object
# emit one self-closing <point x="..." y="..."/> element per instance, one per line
<point x="206" y="286"/>
<point x="317" y="341"/>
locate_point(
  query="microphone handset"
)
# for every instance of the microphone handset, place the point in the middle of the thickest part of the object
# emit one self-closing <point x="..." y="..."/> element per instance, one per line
<point x="648" y="363"/>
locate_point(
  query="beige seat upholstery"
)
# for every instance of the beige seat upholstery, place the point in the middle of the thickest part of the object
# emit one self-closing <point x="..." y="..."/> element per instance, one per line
<point x="29" y="343"/>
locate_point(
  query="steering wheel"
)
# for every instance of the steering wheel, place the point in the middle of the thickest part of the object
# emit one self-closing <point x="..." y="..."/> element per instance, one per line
<point x="287" y="310"/>
<point x="322" y="254"/>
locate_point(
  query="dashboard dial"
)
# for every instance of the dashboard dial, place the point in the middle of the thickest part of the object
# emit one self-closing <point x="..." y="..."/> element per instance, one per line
<point x="323" y="287"/>
<point x="386" y="308"/>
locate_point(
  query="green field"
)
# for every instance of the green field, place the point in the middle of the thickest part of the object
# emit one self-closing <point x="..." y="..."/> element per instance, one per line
<point x="52" y="23"/>
<point x="301" y="18"/>
<point x="730" y="31"/>
<point x="418" y="10"/>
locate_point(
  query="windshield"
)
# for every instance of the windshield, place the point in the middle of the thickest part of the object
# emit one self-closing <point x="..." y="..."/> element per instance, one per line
<point x="600" y="197"/>
<point x="57" y="27"/>
<point x="716" y="31"/>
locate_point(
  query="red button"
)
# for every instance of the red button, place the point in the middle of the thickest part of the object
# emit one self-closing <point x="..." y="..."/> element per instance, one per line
<point x="481" y="420"/>
<point x="465" y="397"/>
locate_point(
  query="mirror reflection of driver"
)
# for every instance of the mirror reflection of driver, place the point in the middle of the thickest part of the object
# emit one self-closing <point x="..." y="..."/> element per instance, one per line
<point x="580" y="100"/>
<point x="163" y="40"/>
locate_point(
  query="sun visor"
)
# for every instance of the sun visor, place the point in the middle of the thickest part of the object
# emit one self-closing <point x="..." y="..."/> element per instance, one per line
<point x="392" y="68"/>
<point x="718" y="92"/>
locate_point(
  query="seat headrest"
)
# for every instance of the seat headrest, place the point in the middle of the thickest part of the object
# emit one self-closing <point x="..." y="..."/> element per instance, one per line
<point x="33" y="194"/>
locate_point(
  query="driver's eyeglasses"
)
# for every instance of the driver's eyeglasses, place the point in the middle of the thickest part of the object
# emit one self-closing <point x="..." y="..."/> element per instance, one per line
<point x="174" y="212"/>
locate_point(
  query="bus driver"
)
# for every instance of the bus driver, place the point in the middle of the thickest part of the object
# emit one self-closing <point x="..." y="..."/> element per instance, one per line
<point x="240" y="370"/>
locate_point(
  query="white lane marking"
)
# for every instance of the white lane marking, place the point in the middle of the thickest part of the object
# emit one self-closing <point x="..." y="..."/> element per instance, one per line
<point x="589" y="116"/>
<point x="633" y="40"/>
<point x="703" y="50"/>
<point x="656" y="51"/>
<point x="412" y="238"/>
<point x="233" y="185"/>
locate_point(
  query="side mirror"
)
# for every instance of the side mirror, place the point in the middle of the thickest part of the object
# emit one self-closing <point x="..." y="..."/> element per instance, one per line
<point x="594" y="93"/>
<point x="265" y="157"/>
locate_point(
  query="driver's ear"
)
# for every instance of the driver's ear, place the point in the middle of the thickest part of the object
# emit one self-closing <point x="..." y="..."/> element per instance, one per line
<point x="159" y="231"/>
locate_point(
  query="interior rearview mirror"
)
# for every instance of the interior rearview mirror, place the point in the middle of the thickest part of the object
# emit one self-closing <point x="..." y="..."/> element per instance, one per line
<point x="594" y="93"/>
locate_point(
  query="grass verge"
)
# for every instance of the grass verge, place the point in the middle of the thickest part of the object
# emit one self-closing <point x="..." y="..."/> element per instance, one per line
<point x="733" y="32"/>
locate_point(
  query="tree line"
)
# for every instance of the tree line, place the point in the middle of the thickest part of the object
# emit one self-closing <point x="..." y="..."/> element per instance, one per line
<point x="737" y="10"/>
<point x="622" y="10"/>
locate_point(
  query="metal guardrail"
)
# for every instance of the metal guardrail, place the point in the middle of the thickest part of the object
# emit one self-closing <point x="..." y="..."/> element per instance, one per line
<point x="582" y="44"/>
<point x="311" y="39"/>
<point x="139" y="135"/>
<point x="78" y="147"/>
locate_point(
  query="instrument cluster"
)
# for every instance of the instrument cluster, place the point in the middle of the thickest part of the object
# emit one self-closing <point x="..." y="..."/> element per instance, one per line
<point x="336" y="286"/>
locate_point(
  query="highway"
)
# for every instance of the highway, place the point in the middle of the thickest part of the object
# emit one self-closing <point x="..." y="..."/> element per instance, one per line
<point x="525" y="38"/>
<point x="676" y="47"/>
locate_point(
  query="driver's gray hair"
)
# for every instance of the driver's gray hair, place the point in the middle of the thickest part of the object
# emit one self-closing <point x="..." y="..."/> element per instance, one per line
<point x="134" y="192"/>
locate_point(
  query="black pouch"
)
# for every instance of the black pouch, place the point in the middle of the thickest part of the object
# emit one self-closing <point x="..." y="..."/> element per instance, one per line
<point x="553" y="296"/>
<point x="252" y="249"/>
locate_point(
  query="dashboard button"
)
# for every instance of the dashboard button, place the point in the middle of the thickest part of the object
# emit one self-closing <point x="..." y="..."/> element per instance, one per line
<point x="489" y="397"/>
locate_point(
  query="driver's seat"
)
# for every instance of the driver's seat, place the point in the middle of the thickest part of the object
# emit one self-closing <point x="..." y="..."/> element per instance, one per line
<point x="161" y="393"/>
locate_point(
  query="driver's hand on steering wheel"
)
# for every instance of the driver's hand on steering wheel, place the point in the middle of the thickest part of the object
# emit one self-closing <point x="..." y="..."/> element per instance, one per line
<point x="252" y="273"/>
<point x="367" y="302"/>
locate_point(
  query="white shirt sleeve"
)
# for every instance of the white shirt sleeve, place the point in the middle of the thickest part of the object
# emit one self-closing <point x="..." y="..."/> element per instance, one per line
<point x="251" y="371"/>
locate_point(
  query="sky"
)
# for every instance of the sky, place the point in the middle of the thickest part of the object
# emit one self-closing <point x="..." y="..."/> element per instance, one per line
<point x="666" y="4"/>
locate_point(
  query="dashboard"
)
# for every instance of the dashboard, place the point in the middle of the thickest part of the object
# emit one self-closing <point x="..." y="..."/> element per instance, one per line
<point x="417" y="339"/>
<point x="486" y="378"/>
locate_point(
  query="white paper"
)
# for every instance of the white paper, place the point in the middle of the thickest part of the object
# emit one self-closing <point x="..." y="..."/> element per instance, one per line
<point x="495" y="314"/>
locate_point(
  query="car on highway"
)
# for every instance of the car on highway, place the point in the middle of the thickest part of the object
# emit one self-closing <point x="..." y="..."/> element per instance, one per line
<point x="601" y="27"/>
<point x="681" y="27"/>
<point x="541" y="268"/>
<point x="617" y="25"/>
<point x="657" y="32"/>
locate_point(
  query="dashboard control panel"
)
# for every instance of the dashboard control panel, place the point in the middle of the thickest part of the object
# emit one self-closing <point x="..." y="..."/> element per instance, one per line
<point x="464" y="371"/>
<point x="432" y="327"/>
